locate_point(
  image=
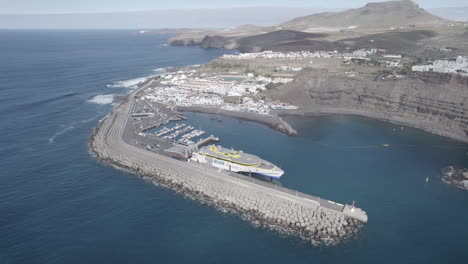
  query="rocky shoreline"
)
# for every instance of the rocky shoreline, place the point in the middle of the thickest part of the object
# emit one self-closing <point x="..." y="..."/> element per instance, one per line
<point x="273" y="121"/>
<point x="455" y="175"/>
<point x="264" y="207"/>
<point x="436" y="103"/>
<point x="376" y="116"/>
<point x="277" y="122"/>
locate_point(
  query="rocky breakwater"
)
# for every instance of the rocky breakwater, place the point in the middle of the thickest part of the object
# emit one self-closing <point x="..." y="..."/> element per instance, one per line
<point x="455" y="175"/>
<point x="285" y="212"/>
<point x="433" y="102"/>
<point x="273" y="121"/>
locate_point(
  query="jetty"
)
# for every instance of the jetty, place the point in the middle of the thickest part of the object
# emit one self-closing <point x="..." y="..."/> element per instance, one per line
<point x="204" y="141"/>
<point x="277" y="208"/>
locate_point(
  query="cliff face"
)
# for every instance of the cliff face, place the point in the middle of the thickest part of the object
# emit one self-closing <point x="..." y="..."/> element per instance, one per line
<point x="218" y="42"/>
<point x="433" y="102"/>
<point x="288" y="40"/>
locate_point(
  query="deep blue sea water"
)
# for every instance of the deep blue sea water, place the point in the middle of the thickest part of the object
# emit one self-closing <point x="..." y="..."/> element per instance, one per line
<point x="58" y="205"/>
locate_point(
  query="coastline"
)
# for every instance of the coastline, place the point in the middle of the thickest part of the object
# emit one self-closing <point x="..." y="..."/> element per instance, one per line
<point x="456" y="176"/>
<point x="377" y="116"/>
<point x="172" y="174"/>
<point x="273" y="121"/>
<point x="277" y="122"/>
<point x="319" y="221"/>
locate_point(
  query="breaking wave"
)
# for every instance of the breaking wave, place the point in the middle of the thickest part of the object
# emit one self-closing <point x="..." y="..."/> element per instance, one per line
<point x="132" y="83"/>
<point x="64" y="129"/>
<point x="160" y="70"/>
<point x="102" y="99"/>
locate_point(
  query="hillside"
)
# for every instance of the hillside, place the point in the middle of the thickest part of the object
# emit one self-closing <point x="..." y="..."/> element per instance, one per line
<point x="431" y="101"/>
<point x="386" y="25"/>
<point x="373" y="15"/>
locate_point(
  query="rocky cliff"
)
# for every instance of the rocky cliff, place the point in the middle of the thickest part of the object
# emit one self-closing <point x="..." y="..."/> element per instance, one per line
<point x="434" y="102"/>
<point x="288" y="40"/>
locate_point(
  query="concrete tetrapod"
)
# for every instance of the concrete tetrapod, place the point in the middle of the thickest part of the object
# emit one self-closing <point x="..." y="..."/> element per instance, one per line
<point x="281" y="211"/>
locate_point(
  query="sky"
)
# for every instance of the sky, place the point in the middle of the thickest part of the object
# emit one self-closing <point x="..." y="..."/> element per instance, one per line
<point x="98" y="6"/>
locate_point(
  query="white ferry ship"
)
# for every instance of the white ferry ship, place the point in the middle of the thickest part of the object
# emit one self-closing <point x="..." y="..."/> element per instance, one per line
<point x="236" y="161"/>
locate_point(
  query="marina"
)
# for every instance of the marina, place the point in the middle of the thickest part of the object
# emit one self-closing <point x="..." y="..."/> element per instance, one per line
<point x="186" y="143"/>
<point x="119" y="141"/>
<point x="59" y="205"/>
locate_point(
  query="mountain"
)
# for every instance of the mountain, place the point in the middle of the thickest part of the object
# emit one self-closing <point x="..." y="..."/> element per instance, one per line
<point x="398" y="26"/>
<point x="198" y="18"/>
<point x="373" y="15"/>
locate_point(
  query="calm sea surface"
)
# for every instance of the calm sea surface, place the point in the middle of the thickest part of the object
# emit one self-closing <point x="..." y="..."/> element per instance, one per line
<point x="58" y="205"/>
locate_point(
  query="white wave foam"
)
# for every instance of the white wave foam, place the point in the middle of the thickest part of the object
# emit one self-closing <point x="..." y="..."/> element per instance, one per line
<point x="70" y="127"/>
<point x="102" y="99"/>
<point x="132" y="83"/>
<point x="61" y="132"/>
<point x="89" y="120"/>
<point x="160" y="70"/>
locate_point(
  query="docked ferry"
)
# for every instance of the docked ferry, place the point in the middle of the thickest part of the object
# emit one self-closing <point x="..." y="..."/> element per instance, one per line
<point x="236" y="161"/>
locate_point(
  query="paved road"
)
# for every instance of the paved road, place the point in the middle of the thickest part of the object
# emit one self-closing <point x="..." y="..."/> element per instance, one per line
<point x="114" y="138"/>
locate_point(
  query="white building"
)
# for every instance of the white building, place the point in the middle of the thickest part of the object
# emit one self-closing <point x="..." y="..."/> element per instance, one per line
<point x="459" y="66"/>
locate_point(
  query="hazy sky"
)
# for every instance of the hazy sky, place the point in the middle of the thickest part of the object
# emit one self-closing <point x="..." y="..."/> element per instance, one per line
<point x="96" y="6"/>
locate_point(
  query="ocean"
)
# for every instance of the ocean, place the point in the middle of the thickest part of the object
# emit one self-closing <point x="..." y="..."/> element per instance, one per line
<point x="59" y="205"/>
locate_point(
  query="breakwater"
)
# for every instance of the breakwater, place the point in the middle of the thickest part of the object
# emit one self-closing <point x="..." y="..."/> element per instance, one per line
<point x="272" y="121"/>
<point x="286" y="211"/>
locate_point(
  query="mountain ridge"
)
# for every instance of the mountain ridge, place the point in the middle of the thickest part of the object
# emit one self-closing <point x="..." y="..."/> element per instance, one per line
<point x="381" y="14"/>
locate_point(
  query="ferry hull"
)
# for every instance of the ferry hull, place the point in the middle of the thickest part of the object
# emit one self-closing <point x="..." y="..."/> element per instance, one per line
<point x="275" y="173"/>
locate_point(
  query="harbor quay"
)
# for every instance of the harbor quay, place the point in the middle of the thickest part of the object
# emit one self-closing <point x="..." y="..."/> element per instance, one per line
<point x="317" y="220"/>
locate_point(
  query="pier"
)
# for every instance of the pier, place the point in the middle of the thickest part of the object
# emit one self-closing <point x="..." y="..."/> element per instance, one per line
<point x="287" y="211"/>
<point x="205" y="141"/>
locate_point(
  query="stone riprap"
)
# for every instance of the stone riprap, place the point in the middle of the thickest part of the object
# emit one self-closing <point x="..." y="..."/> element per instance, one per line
<point x="272" y="121"/>
<point x="274" y="209"/>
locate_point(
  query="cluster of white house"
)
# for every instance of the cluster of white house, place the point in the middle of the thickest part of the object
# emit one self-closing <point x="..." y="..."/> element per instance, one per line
<point x="459" y="66"/>
<point x="390" y="60"/>
<point x="249" y="105"/>
<point x="183" y="89"/>
<point x="174" y="95"/>
<point x="253" y="85"/>
<point x="264" y="79"/>
<point x="303" y="54"/>
<point x="289" y="68"/>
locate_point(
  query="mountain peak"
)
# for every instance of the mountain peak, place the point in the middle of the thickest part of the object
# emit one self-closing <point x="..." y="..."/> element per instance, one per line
<point x="373" y="15"/>
<point x="410" y="4"/>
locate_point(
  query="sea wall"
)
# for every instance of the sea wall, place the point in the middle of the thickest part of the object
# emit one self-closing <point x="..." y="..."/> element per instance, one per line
<point x="266" y="207"/>
<point x="272" y="121"/>
<point x="437" y="103"/>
